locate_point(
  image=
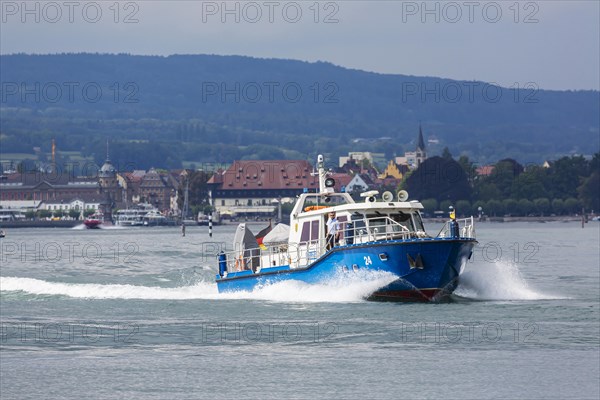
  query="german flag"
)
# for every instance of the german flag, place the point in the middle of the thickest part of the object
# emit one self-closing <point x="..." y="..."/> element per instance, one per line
<point x="260" y="235"/>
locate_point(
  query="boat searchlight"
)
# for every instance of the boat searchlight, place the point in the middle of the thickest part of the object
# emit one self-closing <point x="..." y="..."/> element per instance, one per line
<point x="369" y="196"/>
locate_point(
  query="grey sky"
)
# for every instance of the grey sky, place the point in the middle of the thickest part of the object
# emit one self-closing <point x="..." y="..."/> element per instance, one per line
<point x="554" y="44"/>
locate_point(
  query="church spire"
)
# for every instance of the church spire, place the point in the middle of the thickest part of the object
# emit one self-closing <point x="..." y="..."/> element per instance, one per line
<point x="421" y="143"/>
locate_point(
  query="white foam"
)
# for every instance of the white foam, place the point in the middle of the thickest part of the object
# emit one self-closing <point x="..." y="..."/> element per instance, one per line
<point x="497" y="281"/>
<point x="98" y="291"/>
<point x="106" y="226"/>
<point x="345" y="289"/>
<point x="101" y="226"/>
<point x="341" y="289"/>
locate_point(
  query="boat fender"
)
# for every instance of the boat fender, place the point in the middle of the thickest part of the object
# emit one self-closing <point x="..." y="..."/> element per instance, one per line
<point x="222" y="263"/>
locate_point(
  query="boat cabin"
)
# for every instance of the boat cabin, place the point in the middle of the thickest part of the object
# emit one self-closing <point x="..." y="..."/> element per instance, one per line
<point x="358" y="223"/>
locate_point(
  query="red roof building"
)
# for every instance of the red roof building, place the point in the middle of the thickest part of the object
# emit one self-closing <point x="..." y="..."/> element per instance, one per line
<point x="485" y="170"/>
<point x="249" y="187"/>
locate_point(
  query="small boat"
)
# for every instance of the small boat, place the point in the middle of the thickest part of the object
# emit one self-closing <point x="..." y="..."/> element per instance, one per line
<point x="380" y="234"/>
<point x="94" y="221"/>
<point x="155" y="218"/>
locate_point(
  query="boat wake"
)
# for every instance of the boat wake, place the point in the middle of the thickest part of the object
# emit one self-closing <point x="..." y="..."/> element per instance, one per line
<point x="98" y="291"/>
<point x="344" y="288"/>
<point x="497" y="281"/>
<point x="340" y="289"/>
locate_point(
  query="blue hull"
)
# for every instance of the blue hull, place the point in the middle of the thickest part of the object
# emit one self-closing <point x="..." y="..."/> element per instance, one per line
<point x="427" y="269"/>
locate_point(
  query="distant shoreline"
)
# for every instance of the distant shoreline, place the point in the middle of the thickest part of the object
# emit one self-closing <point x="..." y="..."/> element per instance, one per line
<point x="40" y="224"/>
<point x="71" y="224"/>
<point x="569" y="218"/>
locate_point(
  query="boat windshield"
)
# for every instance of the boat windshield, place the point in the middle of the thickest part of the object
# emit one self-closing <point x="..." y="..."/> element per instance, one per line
<point x="418" y="222"/>
<point x="323" y="200"/>
<point x="384" y="223"/>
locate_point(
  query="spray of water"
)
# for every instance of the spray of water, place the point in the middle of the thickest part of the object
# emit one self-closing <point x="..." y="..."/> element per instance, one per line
<point x="102" y="226"/>
<point x="345" y="289"/>
<point x="489" y="281"/>
<point x="497" y="281"/>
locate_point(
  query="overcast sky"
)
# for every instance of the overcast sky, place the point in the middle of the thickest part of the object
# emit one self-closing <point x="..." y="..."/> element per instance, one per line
<point x="554" y="44"/>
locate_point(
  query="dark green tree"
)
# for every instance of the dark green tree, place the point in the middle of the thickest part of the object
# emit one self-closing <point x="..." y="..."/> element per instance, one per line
<point x="197" y="189"/>
<point x="463" y="207"/>
<point x="542" y="206"/>
<point x="43" y="214"/>
<point x="565" y="176"/>
<point x="530" y="184"/>
<point x="73" y="213"/>
<point x="494" y="208"/>
<point x="504" y="174"/>
<point x="524" y="207"/>
<point x="430" y="205"/>
<point x="469" y="168"/>
<point x="558" y="206"/>
<point x="440" y="179"/>
<point x="572" y="205"/>
<point x="510" y="206"/>
<point x="446" y="155"/>
<point x="589" y="192"/>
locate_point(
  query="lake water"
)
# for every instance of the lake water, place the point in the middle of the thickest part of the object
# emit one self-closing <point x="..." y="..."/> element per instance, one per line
<point x="135" y="313"/>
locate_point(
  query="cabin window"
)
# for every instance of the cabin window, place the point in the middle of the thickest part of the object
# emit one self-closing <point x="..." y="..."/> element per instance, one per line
<point x="358" y="222"/>
<point x="310" y="231"/>
<point x="377" y="223"/>
<point x="304" y="237"/>
<point x="314" y="230"/>
<point x="418" y="222"/>
<point x="404" y="220"/>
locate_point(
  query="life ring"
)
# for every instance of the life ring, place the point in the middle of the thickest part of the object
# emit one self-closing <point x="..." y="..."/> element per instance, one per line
<point x="314" y="208"/>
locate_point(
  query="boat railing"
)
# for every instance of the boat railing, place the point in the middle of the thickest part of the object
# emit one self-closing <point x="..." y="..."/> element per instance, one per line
<point x="298" y="255"/>
<point x="254" y="259"/>
<point x="465" y="229"/>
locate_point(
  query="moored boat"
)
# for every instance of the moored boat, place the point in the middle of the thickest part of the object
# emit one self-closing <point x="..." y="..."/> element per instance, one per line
<point x="331" y="235"/>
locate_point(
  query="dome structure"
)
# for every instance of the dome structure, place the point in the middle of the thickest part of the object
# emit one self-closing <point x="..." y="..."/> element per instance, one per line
<point x="107" y="170"/>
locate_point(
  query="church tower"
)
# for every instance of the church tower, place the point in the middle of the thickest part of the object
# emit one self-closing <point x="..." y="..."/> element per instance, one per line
<point x="420" y="153"/>
<point x="109" y="187"/>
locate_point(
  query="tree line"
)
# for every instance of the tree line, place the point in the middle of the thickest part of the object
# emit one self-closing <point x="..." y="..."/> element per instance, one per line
<point x="569" y="185"/>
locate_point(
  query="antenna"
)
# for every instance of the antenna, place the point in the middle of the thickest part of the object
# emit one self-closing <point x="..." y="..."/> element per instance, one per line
<point x="53" y="151"/>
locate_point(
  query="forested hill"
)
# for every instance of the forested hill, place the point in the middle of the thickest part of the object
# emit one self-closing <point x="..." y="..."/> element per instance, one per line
<point x="225" y="107"/>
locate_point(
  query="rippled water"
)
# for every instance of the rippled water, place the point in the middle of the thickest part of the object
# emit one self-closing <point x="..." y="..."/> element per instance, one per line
<point x="135" y="313"/>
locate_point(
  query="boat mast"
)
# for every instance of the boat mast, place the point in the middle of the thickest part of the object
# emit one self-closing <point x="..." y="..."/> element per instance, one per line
<point x="322" y="174"/>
